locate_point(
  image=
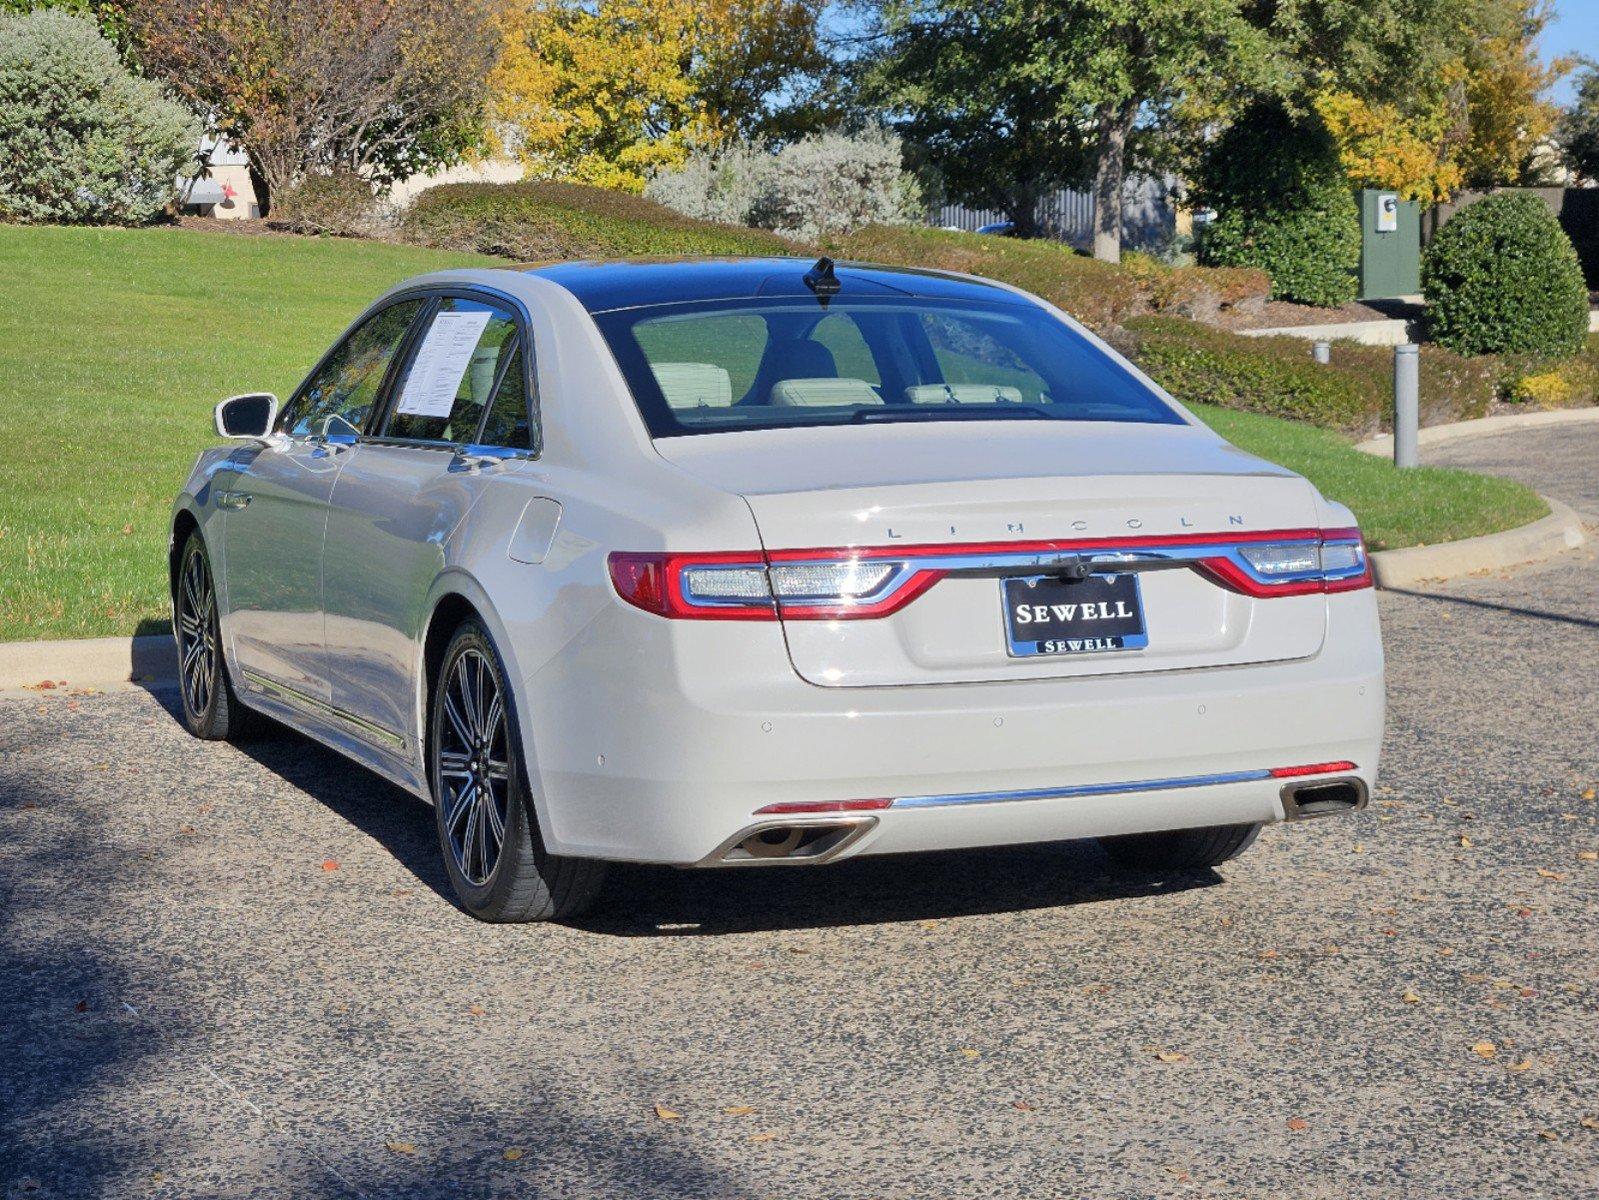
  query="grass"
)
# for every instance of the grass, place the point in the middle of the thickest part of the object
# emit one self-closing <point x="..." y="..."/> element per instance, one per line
<point x="1395" y="508"/>
<point x="115" y="344"/>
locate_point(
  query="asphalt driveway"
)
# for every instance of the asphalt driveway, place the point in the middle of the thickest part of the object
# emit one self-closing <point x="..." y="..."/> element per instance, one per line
<point x="234" y="972"/>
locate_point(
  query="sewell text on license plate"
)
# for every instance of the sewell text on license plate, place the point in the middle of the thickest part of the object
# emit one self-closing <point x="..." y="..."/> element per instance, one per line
<point x="1048" y="615"/>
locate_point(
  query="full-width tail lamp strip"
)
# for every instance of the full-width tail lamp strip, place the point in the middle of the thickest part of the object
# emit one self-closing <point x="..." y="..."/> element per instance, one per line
<point x="858" y="583"/>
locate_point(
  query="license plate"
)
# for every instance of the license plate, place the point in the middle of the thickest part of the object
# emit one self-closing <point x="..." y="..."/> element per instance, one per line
<point x="1046" y="615"/>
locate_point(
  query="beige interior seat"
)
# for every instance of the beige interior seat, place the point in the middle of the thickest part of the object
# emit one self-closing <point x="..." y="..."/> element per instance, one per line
<point x="817" y="393"/>
<point x="694" y="385"/>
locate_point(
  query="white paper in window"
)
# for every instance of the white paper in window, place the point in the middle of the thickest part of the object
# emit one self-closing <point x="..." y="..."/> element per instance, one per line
<point x="441" y="363"/>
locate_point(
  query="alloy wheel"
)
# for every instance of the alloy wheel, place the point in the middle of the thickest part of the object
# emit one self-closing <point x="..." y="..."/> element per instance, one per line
<point x="197" y="634"/>
<point x="473" y="765"/>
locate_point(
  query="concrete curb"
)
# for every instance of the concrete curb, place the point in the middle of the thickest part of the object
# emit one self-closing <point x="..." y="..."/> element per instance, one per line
<point x="88" y="662"/>
<point x="1560" y="531"/>
<point x="1432" y="435"/>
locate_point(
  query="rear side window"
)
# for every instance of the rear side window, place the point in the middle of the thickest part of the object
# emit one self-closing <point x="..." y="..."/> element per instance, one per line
<point x="735" y="365"/>
<point x="459" y="360"/>
<point x="347" y="384"/>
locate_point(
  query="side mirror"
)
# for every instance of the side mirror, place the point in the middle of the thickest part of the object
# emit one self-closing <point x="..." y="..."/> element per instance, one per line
<point x="247" y="418"/>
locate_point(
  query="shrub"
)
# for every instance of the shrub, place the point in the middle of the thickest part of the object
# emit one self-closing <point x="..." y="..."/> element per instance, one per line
<point x="1276" y="375"/>
<point x="341" y="204"/>
<point x="1284" y="205"/>
<point x="1102" y="295"/>
<point x="1502" y="277"/>
<point x="82" y="141"/>
<point x="1567" y="384"/>
<point x="831" y="183"/>
<point x="534" y="221"/>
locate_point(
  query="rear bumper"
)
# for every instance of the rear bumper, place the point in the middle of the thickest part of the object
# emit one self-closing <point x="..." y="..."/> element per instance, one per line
<point x="666" y="752"/>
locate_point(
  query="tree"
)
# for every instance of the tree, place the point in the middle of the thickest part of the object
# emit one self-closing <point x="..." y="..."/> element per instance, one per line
<point x="1508" y="117"/>
<point x="1016" y="96"/>
<point x="1579" y="128"/>
<point x="384" y="88"/>
<point x="606" y="92"/>
<point x="1382" y="146"/>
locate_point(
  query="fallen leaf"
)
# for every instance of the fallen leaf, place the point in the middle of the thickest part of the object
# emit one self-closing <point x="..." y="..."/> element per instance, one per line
<point x="1485" y="1050"/>
<point x="1549" y="1135"/>
<point x="1411" y="998"/>
<point x="1557" y="876"/>
<point x="1524" y="1065"/>
<point x="1465" y="841"/>
<point x="1268" y="954"/>
<point x="401" y="1147"/>
<point x="1171" y="1056"/>
<point x="768" y="1136"/>
<point x="739" y="1110"/>
<point x="1588" y="795"/>
<point x="477" y="1010"/>
<point x="968" y="1053"/>
<point x="1298" y="1123"/>
<point x="81" y="1006"/>
<point x="1590" y="1122"/>
<point x="1021" y="1105"/>
<point x="512" y="1154"/>
<point x="330" y="864"/>
<point x="667" y="1114"/>
<point x="1588" y="855"/>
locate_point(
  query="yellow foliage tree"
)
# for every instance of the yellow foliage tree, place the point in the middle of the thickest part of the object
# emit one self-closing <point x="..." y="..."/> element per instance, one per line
<point x="1508" y="117"/>
<point x="1382" y="147"/>
<point x="603" y="93"/>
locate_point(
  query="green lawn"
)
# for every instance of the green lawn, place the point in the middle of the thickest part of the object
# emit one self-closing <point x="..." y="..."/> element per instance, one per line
<point x="1395" y="508"/>
<point x="115" y="344"/>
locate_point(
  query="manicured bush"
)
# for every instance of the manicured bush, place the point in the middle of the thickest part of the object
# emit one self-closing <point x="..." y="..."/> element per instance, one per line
<point x="534" y="221"/>
<point x="827" y="184"/>
<point x="1283" y="205"/>
<point x="1101" y="295"/>
<point x="1354" y="393"/>
<point x="1502" y="277"/>
<point x="1571" y="383"/>
<point x="341" y="204"/>
<point x="82" y="141"/>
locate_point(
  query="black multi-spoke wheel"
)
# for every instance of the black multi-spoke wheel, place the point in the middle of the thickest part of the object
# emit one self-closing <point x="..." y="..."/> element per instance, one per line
<point x="210" y="709"/>
<point x="487" y="831"/>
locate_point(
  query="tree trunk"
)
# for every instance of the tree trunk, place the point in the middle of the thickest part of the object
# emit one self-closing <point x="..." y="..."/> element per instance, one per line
<point x="1110" y="169"/>
<point x="258" y="181"/>
<point x="1023" y="210"/>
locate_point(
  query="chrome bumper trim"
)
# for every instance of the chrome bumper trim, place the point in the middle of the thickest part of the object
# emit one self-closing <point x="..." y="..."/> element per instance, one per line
<point x="1080" y="790"/>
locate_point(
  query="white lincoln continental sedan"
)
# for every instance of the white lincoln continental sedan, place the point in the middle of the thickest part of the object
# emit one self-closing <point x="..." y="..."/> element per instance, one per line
<point x="748" y="563"/>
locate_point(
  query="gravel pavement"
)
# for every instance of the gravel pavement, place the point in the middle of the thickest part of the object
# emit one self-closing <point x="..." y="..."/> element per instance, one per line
<point x="232" y="972"/>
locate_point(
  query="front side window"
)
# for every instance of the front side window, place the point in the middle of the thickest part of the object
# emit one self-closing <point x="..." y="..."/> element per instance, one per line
<point x="346" y="386"/>
<point x="459" y="360"/>
<point x="750" y="364"/>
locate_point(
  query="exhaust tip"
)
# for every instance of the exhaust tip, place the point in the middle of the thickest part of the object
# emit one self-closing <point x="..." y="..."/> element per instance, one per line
<point x="795" y="842"/>
<point x="1323" y="798"/>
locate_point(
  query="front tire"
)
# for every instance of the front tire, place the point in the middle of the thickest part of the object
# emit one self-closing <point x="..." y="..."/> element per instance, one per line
<point x="1180" y="849"/>
<point x="210" y="709"/>
<point x="487" y="830"/>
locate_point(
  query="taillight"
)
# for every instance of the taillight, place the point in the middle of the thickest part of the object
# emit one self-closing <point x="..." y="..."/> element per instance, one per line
<point x="853" y="583"/>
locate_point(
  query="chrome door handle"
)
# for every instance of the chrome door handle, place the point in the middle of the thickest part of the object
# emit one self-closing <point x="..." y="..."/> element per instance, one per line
<point x="234" y="500"/>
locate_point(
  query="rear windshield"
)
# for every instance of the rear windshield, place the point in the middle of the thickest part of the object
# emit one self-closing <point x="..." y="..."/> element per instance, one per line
<point x="753" y="364"/>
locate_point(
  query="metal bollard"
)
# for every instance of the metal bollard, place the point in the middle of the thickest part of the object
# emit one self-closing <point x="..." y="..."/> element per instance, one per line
<point x="1407" y="402"/>
<point x="1321" y="352"/>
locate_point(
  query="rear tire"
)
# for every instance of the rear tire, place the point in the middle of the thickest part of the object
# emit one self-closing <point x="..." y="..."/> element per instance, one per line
<point x="210" y="709"/>
<point x="1180" y="849"/>
<point x="482" y="806"/>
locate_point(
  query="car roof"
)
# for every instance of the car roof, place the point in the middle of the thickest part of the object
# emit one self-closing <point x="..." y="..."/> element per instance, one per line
<point x="604" y="286"/>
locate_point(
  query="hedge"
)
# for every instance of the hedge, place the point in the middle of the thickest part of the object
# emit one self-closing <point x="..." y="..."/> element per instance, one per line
<point x="1502" y="277"/>
<point x="1354" y="393"/>
<point x="1284" y="205"/>
<point x="536" y="221"/>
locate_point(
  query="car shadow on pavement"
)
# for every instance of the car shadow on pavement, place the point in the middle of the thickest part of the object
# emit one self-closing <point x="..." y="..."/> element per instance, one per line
<point x="1514" y="610"/>
<point x="647" y="901"/>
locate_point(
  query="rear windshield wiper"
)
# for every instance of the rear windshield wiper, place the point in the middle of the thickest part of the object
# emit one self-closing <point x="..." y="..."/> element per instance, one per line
<point x="950" y="412"/>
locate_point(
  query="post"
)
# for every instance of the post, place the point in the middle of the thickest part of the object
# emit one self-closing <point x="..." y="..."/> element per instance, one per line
<point x="1321" y="352"/>
<point x="1407" y="403"/>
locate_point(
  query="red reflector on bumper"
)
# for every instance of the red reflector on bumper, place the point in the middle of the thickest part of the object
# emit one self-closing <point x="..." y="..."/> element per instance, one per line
<point x="823" y="806"/>
<point x="1327" y="768"/>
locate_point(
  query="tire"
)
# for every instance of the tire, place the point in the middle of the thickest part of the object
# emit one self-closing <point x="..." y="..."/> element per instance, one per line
<point x="1180" y="849"/>
<point x="481" y="796"/>
<point x="211" y="710"/>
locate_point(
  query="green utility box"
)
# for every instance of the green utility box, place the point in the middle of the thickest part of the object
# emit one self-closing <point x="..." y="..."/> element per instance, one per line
<point x="1390" y="245"/>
